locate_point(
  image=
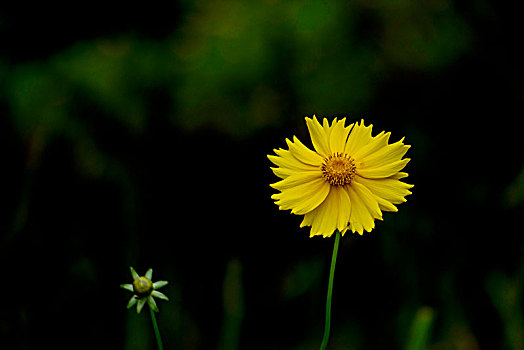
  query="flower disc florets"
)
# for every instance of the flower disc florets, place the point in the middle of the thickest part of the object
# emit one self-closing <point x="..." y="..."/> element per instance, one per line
<point x="142" y="287"/>
<point x="338" y="169"/>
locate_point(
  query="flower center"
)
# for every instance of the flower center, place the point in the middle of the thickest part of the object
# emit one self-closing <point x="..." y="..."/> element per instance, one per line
<point x="142" y="287"/>
<point x="338" y="169"/>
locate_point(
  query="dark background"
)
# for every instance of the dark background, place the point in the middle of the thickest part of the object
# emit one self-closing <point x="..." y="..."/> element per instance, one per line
<point x="137" y="135"/>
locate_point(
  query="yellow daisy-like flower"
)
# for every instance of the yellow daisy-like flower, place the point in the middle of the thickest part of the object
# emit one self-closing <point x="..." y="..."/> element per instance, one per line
<point x="348" y="180"/>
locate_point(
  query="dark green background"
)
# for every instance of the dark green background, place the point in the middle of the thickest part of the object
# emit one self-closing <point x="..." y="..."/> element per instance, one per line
<point x="138" y="134"/>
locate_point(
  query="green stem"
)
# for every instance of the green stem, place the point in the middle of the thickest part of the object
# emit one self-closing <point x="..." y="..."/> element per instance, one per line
<point x="157" y="332"/>
<point x="327" y="327"/>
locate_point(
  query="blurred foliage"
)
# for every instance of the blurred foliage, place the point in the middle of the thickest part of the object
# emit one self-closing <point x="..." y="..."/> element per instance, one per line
<point x="506" y="296"/>
<point x="514" y="194"/>
<point x="138" y="137"/>
<point x="233" y="296"/>
<point x="233" y="64"/>
<point x="421" y="329"/>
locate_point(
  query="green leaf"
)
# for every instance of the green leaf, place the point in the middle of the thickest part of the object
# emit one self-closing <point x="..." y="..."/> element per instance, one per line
<point x="421" y="329"/>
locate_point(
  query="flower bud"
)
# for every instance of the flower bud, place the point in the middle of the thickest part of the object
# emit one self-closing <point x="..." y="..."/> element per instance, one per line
<point x="142" y="287"/>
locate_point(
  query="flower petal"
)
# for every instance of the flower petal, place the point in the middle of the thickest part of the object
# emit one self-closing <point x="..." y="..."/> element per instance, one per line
<point x="323" y="219"/>
<point x="398" y="176"/>
<point x="377" y="143"/>
<point x="383" y="204"/>
<point x="302" y="153"/>
<point x="384" y="171"/>
<point x="319" y="136"/>
<point x="344" y="230"/>
<point x="303" y="198"/>
<point x="332" y="214"/>
<point x="328" y="128"/>
<point x="389" y="189"/>
<point x="368" y="199"/>
<point x="364" y="208"/>
<point x="359" y="137"/>
<point x="296" y="179"/>
<point x="343" y="207"/>
<point x="385" y="155"/>
<point x="149" y="274"/>
<point x="284" y="159"/>
<point x="338" y="136"/>
<point x="282" y="172"/>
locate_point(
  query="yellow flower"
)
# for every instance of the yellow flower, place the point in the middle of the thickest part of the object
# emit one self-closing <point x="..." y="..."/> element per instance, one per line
<point x="348" y="180"/>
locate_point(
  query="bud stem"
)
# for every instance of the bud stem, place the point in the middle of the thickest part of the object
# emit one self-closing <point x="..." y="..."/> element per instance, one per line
<point x="157" y="332"/>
